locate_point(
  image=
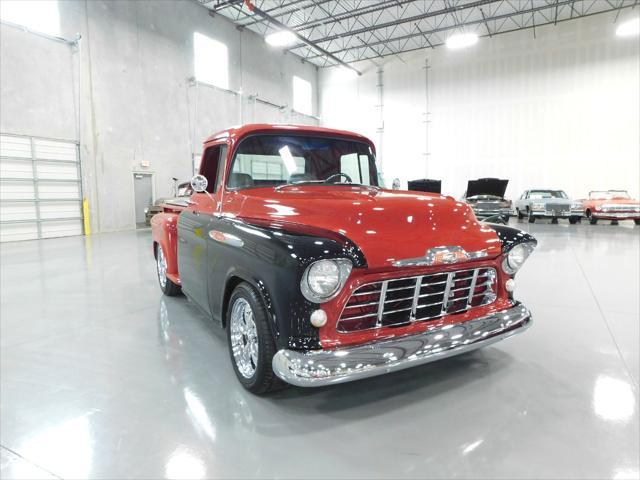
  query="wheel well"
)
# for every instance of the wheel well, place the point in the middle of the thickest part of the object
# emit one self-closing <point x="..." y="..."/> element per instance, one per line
<point x="155" y="250"/>
<point x="232" y="283"/>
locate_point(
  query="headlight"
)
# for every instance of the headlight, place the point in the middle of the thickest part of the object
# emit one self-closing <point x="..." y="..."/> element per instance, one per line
<point x="323" y="280"/>
<point x="538" y="206"/>
<point x="576" y="206"/>
<point x="516" y="257"/>
<point x="146" y="210"/>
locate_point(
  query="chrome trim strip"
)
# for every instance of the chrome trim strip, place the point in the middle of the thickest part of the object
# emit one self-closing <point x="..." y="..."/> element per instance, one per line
<point x="383" y="294"/>
<point x="326" y="367"/>
<point x="416" y="297"/>
<point x="445" y="298"/>
<point x="472" y="288"/>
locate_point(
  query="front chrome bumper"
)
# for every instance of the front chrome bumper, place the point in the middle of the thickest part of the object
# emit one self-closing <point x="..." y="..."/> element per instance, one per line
<point x="325" y="367"/>
<point x="607" y="215"/>
<point x="564" y="214"/>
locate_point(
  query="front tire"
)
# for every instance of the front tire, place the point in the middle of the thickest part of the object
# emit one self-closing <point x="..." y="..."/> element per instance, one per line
<point x="520" y="215"/>
<point x="166" y="285"/>
<point x="532" y="219"/>
<point x="251" y="345"/>
<point x="637" y="221"/>
<point x="574" y="220"/>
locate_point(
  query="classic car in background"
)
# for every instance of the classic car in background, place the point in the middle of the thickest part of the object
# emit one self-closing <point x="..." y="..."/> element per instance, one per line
<point x="425" y="185"/>
<point x="319" y="275"/>
<point x="611" y="205"/>
<point x="486" y="197"/>
<point x="553" y="204"/>
<point x="184" y="190"/>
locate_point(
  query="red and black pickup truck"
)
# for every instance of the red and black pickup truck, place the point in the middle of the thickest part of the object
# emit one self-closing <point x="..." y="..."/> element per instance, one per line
<point x="319" y="274"/>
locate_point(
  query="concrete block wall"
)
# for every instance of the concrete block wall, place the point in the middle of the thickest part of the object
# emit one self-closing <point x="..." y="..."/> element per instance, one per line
<point x="126" y="92"/>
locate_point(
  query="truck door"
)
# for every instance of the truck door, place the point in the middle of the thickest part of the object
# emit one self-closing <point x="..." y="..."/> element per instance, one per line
<point x="194" y="224"/>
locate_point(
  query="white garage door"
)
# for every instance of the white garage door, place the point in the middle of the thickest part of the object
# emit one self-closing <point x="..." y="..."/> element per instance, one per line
<point x="40" y="188"/>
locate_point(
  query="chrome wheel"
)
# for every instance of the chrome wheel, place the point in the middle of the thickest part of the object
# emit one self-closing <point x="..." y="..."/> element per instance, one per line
<point x="161" y="264"/>
<point x="244" y="338"/>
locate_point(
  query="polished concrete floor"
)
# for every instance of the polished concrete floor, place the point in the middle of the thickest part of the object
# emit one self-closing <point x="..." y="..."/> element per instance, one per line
<point x="102" y="377"/>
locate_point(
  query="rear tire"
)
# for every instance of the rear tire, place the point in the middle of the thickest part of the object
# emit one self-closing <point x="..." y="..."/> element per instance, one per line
<point x="251" y="344"/>
<point x="166" y="285"/>
<point x="520" y="215"/>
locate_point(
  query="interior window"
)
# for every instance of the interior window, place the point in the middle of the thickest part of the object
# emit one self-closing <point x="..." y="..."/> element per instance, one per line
<point x="356" y="166"/>
<point x="209" y="166"/>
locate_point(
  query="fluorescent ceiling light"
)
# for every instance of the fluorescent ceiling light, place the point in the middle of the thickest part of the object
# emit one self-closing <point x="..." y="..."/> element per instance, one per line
<point x="462" y="40"/>
<point x="281" y="38"/>
<point x="627" y="29"/>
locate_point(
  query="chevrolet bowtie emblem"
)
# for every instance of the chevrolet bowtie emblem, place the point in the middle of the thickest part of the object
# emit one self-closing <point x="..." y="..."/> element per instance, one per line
<point x="444" y="255"/>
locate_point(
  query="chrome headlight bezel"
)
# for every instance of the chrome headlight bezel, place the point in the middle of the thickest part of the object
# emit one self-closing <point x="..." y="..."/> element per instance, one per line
<point x="516" y="256"/>
<point x="311" y="293"/>
<point x="538" y="206"/>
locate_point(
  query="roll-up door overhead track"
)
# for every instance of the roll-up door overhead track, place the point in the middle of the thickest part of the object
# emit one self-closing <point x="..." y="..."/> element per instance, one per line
<point x="40" y="188"/>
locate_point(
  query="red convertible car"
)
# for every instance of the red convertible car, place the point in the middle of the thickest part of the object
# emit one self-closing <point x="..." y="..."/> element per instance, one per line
<point x="611" y="205"/>
<point x="319" y="275"/>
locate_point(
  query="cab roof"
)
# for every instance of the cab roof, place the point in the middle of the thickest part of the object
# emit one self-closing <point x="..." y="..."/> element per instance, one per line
<point x="235" y="133"/>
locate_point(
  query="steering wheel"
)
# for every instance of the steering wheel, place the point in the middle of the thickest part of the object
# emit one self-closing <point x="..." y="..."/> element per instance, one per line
<point x="336" y="176"/>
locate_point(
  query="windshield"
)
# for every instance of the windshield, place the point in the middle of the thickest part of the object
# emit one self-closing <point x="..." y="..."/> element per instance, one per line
<point x="535" y="194"/>
<point x="272" y="160"/>
<point x="608" y="195"/>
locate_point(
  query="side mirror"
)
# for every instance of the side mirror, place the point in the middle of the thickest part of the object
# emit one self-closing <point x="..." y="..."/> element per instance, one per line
<point x="199" y="183"/>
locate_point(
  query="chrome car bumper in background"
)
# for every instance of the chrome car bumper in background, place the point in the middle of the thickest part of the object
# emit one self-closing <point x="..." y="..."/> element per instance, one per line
<point x="325" y="367"/>
<point x="484" y="213"/>
<point x="606" y="215"/>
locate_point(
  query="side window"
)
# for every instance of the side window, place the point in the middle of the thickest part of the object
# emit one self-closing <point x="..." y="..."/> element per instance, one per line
<point x="209" y="166"/>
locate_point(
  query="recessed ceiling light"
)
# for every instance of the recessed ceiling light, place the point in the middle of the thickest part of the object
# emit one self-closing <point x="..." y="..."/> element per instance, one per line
<point x="462" y="40"/>
<point x="281" y="38"/>
<point x="627" y="29"/>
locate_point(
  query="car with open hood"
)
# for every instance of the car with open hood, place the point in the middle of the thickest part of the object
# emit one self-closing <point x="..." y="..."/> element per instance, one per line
<point x="184" y="191"/>
<point x="553" y="204"/>
<point x="611" y="205"/>
<point x="486" y="197"/>
<point x="319" y="275"/>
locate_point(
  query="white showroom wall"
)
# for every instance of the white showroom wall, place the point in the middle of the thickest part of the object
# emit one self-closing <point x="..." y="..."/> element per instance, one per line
<point x="133" y="101"/>
<point x="560" y="110"/>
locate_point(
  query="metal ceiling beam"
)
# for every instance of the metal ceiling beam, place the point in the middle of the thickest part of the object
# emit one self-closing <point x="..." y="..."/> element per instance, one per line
<point x="281" y="26"/>
<point x="550" y="22"/>
<point x="354" y="13"/>
<point x="454" y="27"/>
<point x="399" y="21"/>
<point x="286" y="12"/>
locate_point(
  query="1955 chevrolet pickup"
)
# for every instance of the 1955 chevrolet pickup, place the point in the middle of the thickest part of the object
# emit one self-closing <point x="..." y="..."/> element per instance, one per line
<point x="321" y="276"/>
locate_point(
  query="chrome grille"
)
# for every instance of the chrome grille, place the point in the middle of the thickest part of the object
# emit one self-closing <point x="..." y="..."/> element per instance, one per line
<point x="558" y="207"/>
<point x="401" y="301"/>
<point x="618" y="207"/>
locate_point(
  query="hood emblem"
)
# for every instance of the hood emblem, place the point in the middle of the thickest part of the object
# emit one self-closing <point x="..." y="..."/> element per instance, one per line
<point x="445" y="255"/>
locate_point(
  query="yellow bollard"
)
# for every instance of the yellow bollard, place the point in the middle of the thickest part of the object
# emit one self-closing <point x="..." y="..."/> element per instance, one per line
<point x="85" y="215"/>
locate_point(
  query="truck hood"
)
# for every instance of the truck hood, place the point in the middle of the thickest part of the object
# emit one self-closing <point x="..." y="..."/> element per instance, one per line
<point x="487" y="186"/>
<point x="387" y="225"/>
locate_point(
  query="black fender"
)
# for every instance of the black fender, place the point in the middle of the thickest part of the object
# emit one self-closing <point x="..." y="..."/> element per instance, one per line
<point x="510" y="236"/>
<point x="272" y="258"/>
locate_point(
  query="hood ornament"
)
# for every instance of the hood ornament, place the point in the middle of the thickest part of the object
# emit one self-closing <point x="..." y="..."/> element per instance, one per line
<point x="445" y="255"/>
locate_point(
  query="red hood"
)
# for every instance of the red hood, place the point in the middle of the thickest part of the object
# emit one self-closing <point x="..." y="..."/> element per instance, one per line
<point x="387" y="225"/>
